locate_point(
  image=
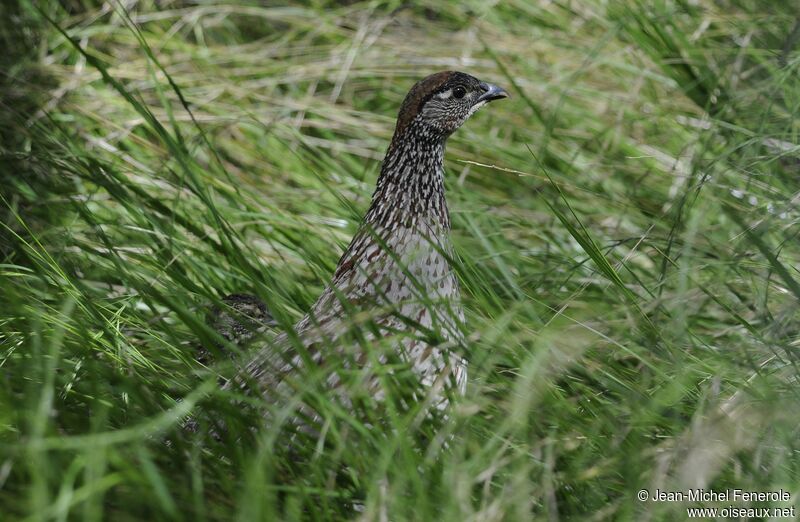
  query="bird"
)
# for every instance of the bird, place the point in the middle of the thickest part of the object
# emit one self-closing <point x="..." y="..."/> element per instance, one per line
<point x="237" y="319"/>
<point x="395" y="280"/>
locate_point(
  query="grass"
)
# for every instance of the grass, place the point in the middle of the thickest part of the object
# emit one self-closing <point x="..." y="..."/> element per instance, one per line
<point x="626" y="227"/>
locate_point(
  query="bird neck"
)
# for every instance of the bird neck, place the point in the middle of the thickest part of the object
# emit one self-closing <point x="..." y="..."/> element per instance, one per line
<point x="410" y="190"/>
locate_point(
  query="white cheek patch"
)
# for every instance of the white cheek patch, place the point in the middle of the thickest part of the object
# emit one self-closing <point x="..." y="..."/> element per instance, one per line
<point x="475" y="107"/>
<point x="445" y="95"/>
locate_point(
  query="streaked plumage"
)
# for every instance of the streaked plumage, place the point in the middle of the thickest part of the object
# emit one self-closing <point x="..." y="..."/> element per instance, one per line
<point x="397" y="270"/>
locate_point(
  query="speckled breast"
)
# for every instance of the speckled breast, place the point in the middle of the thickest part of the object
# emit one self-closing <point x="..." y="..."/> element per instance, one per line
<point x="404" y="275"/>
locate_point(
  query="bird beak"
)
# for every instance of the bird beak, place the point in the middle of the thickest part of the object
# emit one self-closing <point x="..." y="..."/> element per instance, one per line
<point x="491" y="92"/>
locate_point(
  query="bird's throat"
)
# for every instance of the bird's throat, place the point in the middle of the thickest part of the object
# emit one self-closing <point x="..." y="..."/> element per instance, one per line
<point x="410" y="190"/>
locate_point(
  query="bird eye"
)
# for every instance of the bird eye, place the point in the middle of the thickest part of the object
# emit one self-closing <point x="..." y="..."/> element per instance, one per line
<point x="459" y="92"/>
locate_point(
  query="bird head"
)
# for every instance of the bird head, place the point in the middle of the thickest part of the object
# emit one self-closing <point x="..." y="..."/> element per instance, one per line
<point x="442" y="102"/>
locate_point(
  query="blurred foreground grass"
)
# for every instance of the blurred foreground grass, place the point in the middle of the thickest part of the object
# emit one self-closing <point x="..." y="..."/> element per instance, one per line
<point x="626" y="224"/>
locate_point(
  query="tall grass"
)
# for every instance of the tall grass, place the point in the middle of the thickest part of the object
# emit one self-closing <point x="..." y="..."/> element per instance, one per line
<point x="626" y="227"/>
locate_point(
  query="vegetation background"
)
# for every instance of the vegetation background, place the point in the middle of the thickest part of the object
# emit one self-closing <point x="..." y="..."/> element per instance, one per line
<point x="626" y="224"/>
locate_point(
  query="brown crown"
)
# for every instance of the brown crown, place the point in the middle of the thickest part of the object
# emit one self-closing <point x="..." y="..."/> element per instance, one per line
<point x="420" y="92"/>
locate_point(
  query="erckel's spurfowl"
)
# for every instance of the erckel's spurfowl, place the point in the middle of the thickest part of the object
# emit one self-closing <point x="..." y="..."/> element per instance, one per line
<point x="396" y="270"/>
